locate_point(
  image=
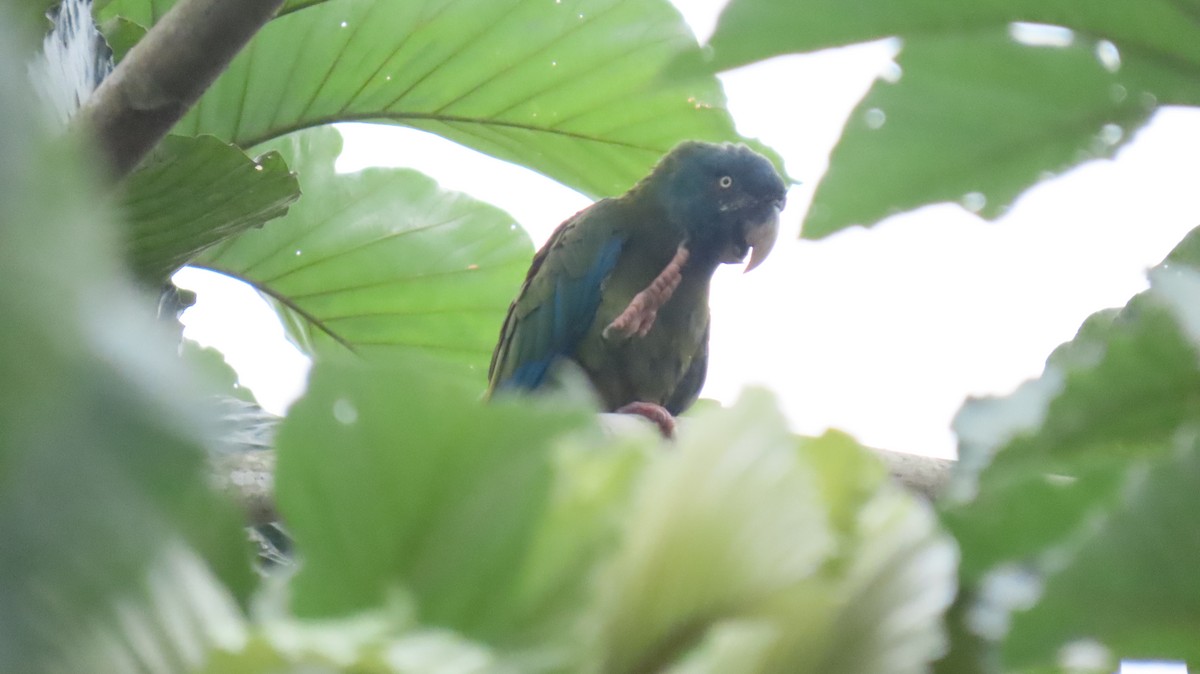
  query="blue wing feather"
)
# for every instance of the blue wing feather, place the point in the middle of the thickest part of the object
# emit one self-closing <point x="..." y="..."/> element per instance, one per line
<point x="554" y="329"/>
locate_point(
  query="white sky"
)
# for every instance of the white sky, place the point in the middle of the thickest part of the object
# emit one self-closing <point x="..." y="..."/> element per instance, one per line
<point x="882" y="333"/>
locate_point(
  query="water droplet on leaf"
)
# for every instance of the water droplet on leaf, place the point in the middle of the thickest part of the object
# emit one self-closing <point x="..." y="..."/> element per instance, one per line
<point x="1006" y="589"/>
<point x="891" y="72"/>
<point x="974" y="201"/>
<point x="1111" y="134"/>
<point x="1040" y="34"/>
<point x="1109" y="55"/>
<point x="344" y="411"/>
<point x="875" y="118"/>
<point x="1085" y="655"/>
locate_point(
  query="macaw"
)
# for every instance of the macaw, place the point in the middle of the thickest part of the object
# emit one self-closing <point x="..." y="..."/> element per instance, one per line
<point x="621" y="288"/>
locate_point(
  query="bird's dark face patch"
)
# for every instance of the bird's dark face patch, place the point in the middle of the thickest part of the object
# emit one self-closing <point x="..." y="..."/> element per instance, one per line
<point x="725" y="197"/>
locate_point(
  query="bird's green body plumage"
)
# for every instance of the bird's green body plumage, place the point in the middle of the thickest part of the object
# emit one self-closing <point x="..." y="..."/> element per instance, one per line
<point x="596" y="262"/>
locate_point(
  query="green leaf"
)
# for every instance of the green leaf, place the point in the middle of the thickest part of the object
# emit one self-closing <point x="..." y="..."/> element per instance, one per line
<point x="296" y="5"/>
<point x="121" y="34"/>
<point x="31" y="21"/>
<point x="192" y="193"/>
<point x="751" y="30"/>
<point x="1045" y="472"/>
<point x="144" y="13"/>
<point x="745" y="553"/>
<point x="701" y="544"/>
<point x="117" y="556"/>
<point x="381" y="261"/>
<point x="1131" y="584"/>
<point x="892" y="561"/>
<point x="395" y="475"/>
<point x="375" y="642"/>
<point x="572" y="89"/>
<point x="593" y="480"/>
<point x="978" y="118"/>
<point x="1122" y="389"/>
<point x="211" y="364"/>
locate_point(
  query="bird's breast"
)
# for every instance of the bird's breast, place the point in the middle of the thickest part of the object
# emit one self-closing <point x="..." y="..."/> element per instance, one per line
<point x="646" y="368"/>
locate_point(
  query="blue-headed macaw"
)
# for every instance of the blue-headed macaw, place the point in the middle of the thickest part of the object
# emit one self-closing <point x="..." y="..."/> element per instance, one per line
<point x="621" y="288"/>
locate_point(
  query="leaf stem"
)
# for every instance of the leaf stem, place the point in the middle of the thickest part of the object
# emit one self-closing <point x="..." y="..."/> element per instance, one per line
<point x="165" y="73"/>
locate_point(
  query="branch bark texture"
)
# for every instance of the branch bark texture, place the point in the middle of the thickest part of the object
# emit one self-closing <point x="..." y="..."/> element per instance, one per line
<point x="166" y="72"/>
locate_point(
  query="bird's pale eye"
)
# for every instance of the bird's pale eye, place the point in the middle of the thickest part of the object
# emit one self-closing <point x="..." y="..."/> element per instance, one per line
<point x="725" y="182"/>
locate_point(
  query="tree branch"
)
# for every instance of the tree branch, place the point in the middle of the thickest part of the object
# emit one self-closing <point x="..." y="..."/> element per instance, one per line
<point x="165" y="73"/>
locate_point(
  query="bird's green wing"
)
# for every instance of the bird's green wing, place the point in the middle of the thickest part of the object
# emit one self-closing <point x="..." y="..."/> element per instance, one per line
<point x="558" y="300"/>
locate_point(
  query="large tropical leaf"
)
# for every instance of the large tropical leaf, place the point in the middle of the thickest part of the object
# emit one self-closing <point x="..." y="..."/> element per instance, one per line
<point x="734" y="551"/>
<point x="743" y="552"/>
<point x="751" y="30"/>
<point x="572" y="89"/>
<point x="976" y="113"/>
<point x="977" y="118"/>
<point x="1064" y="489"/>
<point x="116" y="554"/>
<point x="1131" y="587"/>
<point x="191" y="193"/>
<point x="395" y="475"/>
<point x="381" y="261"/>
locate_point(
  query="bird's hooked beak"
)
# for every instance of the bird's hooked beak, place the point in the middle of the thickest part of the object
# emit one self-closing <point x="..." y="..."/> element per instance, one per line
<point x="760" y="237"/>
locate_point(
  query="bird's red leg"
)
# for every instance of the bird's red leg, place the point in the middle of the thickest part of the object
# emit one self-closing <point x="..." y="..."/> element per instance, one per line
<point x="638" y="317"/>
<point x="656" y="413"/>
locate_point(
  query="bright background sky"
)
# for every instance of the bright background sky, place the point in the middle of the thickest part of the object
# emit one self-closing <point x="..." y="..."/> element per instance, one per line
<point x="883" y="332"/>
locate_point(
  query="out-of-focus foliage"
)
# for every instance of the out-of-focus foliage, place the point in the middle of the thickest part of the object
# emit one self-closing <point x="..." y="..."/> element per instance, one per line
<point x="435" y="530"/>
<point x="438" y="533"/>
<point x="1072" y="494"/>
<point x="115" y="555"/>
<point x="986" y="97"/>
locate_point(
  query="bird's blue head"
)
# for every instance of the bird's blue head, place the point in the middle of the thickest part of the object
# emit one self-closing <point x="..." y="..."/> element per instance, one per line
<point x="726" y="198"/>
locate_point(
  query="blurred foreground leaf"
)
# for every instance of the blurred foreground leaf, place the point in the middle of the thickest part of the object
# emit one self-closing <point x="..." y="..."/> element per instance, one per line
<point x="978" y="118"/>
<point x="987" y="99"/>
<point x="1131" y="586"/>
<point x="1069" y="496"/>
<point x="116" y="554"/>
<point x="751" y="30"/>
<point x="744" y="552"/>
<point x="396" y="475"/>
<point x="542" y="552"/>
